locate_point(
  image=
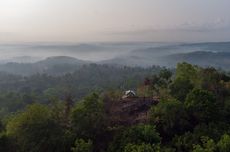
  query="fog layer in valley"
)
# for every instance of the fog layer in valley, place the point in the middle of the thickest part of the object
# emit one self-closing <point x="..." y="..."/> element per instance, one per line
<point x="60" y="58"/>
<point x="32" y="52"/>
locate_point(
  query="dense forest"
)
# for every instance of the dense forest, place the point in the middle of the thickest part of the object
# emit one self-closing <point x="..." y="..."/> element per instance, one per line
<point x="17" y="91"/>
<point x="46" y="113"/>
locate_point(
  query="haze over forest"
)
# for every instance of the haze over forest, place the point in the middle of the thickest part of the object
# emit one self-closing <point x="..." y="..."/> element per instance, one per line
<point x="39" y="56"/>
<point x="114" y="76"/>
<point x="133" y="33"/>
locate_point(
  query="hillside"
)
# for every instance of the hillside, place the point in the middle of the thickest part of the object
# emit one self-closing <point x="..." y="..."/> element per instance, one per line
<point x="203" y="54"/>
<point x="53" y="65"/>
<point x="205" y="59"/>
<point x="168" y="112"/>
<point x="17" y="91"/>
<point x="128" y="54"/>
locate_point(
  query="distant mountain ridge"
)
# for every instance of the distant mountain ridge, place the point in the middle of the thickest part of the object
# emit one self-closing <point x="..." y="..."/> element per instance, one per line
<point x="61" y="60"/>
<point x="215" y="59"/>
<point x="203" y="54"/>
<point x="211" y="46"/>
<point x="57" y="65"/>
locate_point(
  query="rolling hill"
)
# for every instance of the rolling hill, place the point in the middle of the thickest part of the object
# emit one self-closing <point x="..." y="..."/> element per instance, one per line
<point x="53" y="65"/>
<point x="201" y="58"/>
<point x="203" y="54"/>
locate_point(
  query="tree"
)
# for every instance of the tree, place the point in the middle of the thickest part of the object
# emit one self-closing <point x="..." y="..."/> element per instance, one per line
<point x="213" y="81"/>
<point x="34" y="130"/>
<point x="224" y="143"/>
<point x="134" y="137"/>
<point x="89" y="120"/>
<point x="5" y="145"/>
<point x="141" y="148"/>
<point x="187" y="71"/>
<point x="170" y="118"/>
<point x="202" y="106"/>
<point x="184" y="142"/>
<point x="180" y="88"/>
<point x="82" y="146"/>
<point x="157" y="83"/>
<point x="208" y="145"/>
<point x="165" y="74"/>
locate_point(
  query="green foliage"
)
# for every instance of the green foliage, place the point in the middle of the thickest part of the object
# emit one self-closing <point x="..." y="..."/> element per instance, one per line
<point x="142" y="133"/>
<point x="16" y="92"/>
<point x="210" y="78"/>
<point x="157" y="83"/>
<point x="141" y="148"/>
<point x="187" y="71"/>
<point x="82" y="146"/>
<point x="12" y="101"/>
<point x="88" y="118"/>
<point x="208" y="145"/>
<point x="192" y="114"/>
<point x="136" y="135"/>
<point x="34" y="130"/>
<point x="202" y="105"/>
<point x="4" y="143"/>
<point x="170" y="117"/>
<point x="165" y="74"/>
<point x="213" y="130"/>
<point x="224" y="143"/>
<point x="180" y="88"/>
<point x="188" y="140"/>
<point x="184" y="142"/>
<point x="213" y="81"/>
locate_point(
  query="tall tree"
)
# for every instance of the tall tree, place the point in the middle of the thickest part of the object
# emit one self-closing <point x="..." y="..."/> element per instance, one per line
<point x="34" y="130"/>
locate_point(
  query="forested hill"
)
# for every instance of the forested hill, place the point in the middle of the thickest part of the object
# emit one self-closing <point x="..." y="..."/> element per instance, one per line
<point x="192" y="114"/>
<point x="57" y="65"/>
<point x="57" y="62"/>
<point x="201" y="58"/>
<point x="17" y="91"/>
<point x="203" y="54"/>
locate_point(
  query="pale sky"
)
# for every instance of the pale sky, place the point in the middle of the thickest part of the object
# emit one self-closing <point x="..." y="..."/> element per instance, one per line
<point x="114" y="20"/>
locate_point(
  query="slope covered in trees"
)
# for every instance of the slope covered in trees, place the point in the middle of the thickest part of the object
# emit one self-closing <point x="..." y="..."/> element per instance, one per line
<point x="17" y="91"/>
<point x="192" y="116"/>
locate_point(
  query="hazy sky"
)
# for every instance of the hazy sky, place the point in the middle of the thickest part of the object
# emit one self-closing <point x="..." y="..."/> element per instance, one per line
<point x="114" y="20"/>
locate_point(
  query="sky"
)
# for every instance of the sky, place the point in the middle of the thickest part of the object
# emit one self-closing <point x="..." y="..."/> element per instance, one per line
<point x="114" y="20"/>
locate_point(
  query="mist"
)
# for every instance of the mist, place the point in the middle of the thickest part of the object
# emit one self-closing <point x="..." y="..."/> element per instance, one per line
<point x="90" y="52"/>
<point x="40" y="56"/>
